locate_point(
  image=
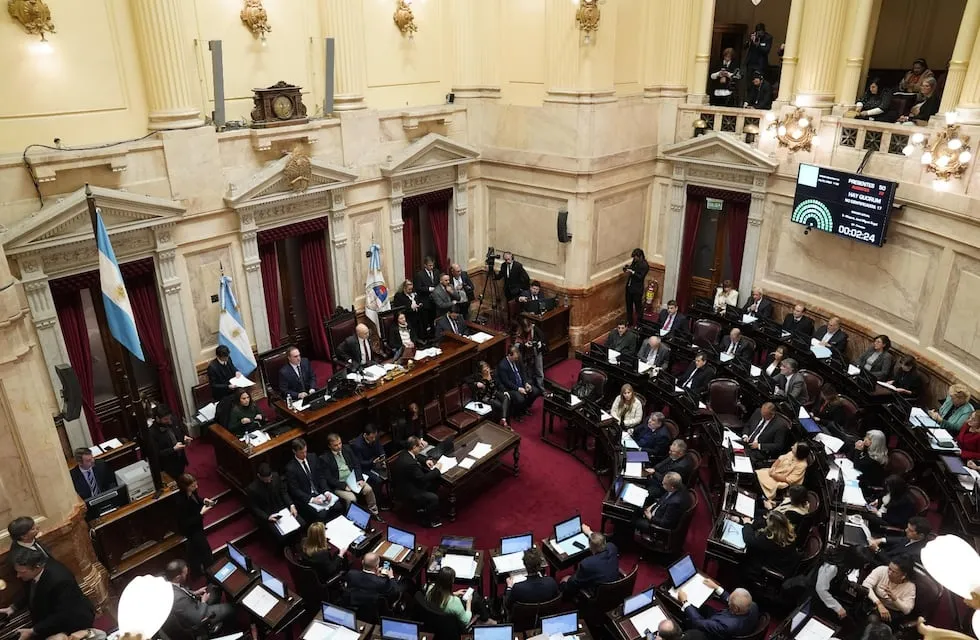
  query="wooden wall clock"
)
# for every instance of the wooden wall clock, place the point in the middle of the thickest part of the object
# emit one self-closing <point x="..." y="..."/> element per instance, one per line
<point x="278" y="105"/>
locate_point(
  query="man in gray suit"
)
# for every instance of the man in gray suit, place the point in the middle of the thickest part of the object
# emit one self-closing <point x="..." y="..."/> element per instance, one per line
<point x="790" y="382"/>
<point x="194" y="609"/>
<point x="654" y="352"/>
<point x="444" y="296"/>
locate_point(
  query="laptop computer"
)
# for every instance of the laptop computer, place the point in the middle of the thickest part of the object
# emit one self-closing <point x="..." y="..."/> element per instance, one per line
<point x="563" y="624"/>
<point x="516" y="544"/>
<point x="402" y="543"/>
<point x="493" y="632"/>
<point x="637" y="602"/>
<point x="273" y="584"/>
<point x="684" y="575"/>
<point x="456" y="542"/>
<point x="955" y="465"/>
<point x="361" y="519"/>
<point x="637" y="456"/>
<point x="569" y="536"/>
<point x="339" y="616"/>
<point x="394" y="629"/>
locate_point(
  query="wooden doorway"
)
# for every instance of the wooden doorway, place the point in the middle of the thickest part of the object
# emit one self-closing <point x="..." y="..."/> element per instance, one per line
<point x="715" y="237"/>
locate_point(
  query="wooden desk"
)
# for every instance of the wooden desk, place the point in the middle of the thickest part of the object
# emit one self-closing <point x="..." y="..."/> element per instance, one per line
<point x="411" y="566"/>
<point x="497" y="579"/>
<point x="364" y="628"/>
<point x="494" y="350"/>
<point x="555" y="326"/>
<point x="236" y="583"/>
<point x="501" y="440"/>
<point x="560" y="561"/>
<point x="435" y="564"/>
<point x="115" y="458"/>
<point x="623" y="626"/>
<point x="285" y="612"/>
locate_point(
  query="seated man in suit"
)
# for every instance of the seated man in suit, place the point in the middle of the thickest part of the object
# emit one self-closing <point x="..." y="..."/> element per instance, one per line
<point x="305" y="484"/>
<point x="671" y="318"/>
<point x="356" y="350"/>
<point x="24" y="533"/>
<point x="220" y="372"/>
<point x="532" y="301"/>
<point x="267" y="496"/>
<point x="697" y="376"/>
<point x="764" y="437"/>
<point x="52" y="595"/>
<point x="797" y="322"/>
<point x="513" y="377"/>
<point x="370" y="454"/>
<point x="831" y="335"/>
<point x="652" y="437"/>
<point x="601" y="566"/>
<point x="790" y="382"/>
<point x="90" y="476"/>
<point x="677" y="461"/>
<point x="201" y="608"/>
<point x="654" y="352"/>
<point x="735" y="346"/>
<point x="623" y="339"/>
<point x="445" y="296"/>
<point x="464" y="287"/>
<point x="909" y="545"/>
<point x="758" y="305"/>
<point x="369" y="584"/>
<point x="341" y="469"/>
<point x="666" y="511"/>
<point x="536" y="588"/>
<point x="414" y="477"/>
<point x="451" y="323"/>
<point x="739" y="619"/>
<point x="296" y="377"/>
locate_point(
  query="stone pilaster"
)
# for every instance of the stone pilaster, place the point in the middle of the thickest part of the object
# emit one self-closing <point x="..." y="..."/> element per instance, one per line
<point x="675" y="226"/>
<point x="667" y="64"/>
<point x="960" y="60"/>
<point x="968" y="107"/>
<point x="753" y="236"/>
<point x="475" y="29"/>
<point x="253" y="282"/>
<point x="579" y="72"/>
<point x="174" y="318"/>
<point x="791" y="54"/>
<point x="340" y="258"/>
<point x="820" y="42"/>
<point x="858" y="29"/>
<point x="702" y="56"/>
<point x="343" y="20"/>
<point x="161" y="43"/>
<point x="397" y="226"/>
<point x="461" y="221"/>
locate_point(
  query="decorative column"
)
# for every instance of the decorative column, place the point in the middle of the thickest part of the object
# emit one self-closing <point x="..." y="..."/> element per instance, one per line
<point x="753" y="235"/>
<point x="460" y="222"/>
<point x="816" y="79"/>
<point x="396" y="225"/>
<point x="343" y="20"/>
<point x="860" y="19"/>
<point x="174" y="318"/>
<point x="667" y="60"/>
<point x="787" y="75"/>
<point x="678" y="199"/>
<point x="339" y="256"/>
<point x="579" y="72"/>
<point x="959" y="61"/>
<point x="161" y="43"/>
<point x="253" y="282"/>
<point x="474" y="27"/>
<point x="702" y="56"/>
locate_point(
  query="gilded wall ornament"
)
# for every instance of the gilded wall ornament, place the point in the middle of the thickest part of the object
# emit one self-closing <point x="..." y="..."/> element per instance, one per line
<point x="298" y="172"/>
<point x="254" y="17"/>
<point x="587" y="16"/>
<point x="404" y="18"/>
<point x="33" y="14"/>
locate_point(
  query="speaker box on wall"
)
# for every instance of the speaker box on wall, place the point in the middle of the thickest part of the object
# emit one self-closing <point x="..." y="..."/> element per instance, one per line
<point x="70" y="390"/>
<point x="563" y="234"/>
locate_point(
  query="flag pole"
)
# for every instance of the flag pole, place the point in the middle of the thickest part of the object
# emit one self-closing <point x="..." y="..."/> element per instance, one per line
<point x="131" y="401"/>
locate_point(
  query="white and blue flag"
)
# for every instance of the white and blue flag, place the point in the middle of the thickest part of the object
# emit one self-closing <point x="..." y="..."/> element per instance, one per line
<point x="376" y="297"/>
<point x="118" y="310"/>
<point x="231" y="331"/>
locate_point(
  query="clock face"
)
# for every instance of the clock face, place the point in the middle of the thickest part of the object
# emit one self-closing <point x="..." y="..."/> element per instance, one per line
<point x="282" y="106"/>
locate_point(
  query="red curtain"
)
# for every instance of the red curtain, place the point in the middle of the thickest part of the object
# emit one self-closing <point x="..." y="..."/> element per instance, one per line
<point x="146" y="311"/>
<point x="409" y="218"/>
<point x="316" y="286"/>
<point x="439" y="226"/>
<point x="738" y="220"/>
<point x="270" y="283"/>
<point x="692" y="219"/>
<point x="71" y="316"/>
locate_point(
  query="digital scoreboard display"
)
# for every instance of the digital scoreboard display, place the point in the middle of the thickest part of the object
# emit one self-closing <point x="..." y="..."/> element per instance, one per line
<point x="845" y="204"/>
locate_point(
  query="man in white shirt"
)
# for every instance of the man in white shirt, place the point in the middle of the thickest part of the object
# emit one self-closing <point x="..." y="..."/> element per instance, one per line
<point x="464" y="287"/>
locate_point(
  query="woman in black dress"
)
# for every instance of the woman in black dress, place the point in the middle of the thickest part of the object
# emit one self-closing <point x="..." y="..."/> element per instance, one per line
<point x="190" y="523"/>
<point x="317" y="553"/>
<point x="170" y="441"/>
<point x="484" y="389"/>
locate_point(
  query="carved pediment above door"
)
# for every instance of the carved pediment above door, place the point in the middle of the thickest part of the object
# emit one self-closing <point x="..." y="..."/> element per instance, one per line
<point x="719" y="152"/>
<point x="295" y="174"/>
<point x="429" y="153"/>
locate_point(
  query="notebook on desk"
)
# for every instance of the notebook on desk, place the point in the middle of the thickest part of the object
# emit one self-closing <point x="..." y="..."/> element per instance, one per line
<point x="684" y="575"/>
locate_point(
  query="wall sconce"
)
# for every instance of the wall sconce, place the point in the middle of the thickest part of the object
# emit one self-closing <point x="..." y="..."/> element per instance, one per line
<point x="255" y="18"/>
<point x="795" y="131"/>
<point x="405" y="19"/>
<point x="751" y="132"/>
<point x="947" y="157"/>
<point x="587" y="16"/>
<point x="700" y="127"/>
<point x="34" y="15"/>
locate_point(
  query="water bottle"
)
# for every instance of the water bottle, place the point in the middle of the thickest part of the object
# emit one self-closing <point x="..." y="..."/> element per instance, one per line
<point x="565" y="301"/>
<point x="289" y="401"/>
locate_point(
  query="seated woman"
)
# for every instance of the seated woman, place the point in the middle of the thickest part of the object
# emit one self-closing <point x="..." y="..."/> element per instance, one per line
<point x="927" y="105"/>
<point x="725" y="296"/>
<point x="484" y="389"/>
<point x="316" y="553"/>
<point x="954" y="410"/>
<point x="627" y="409"/>
<point x="786" y="471"/>
<point x="830" y="411"/>
<point x="968" y="438"/>
<point x="402" y="336"/>
<point x="653" y="437"/>
<point x="795" y="506"/>
<point x="891" y="590"/>
<point x="244" y="415"/>
<point x="772" y="547"/>
<point x="894" y="509"/>
<point x="906" y="378"/>
<point x="914" y="77"/>
<point x="875" y="104"/>
<point x="441" y="595"/>
<point x="773" y="360"/>
<point x="876" y="360"/>
<point x="870" y="456"/>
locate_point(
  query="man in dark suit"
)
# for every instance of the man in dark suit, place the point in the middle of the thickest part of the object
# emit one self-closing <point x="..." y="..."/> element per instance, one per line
<point x="338" y="465"/>
<point x="370" y="454"/>
<point x="514" y="276"/>
<point x="697" y="375"/>
<point x="201" y="608"/>
<point x="735" y="346"/>
<point x="451" y="323"/>
<point x="169" y="442"/>
<point x="909" y="545"/>
<point x="267" y="496"/>
<point x="601" y="566"/>
<point x="220" y="372"/>
<point x="296" y="377"/>
<point x="445" y="296"/>
<point x="623" y="339"/>
<point x="739" y="619"/>
<point x="464" y="288"/>
<point x="52" y="595"/>
<point x="677" y="461"/>
<point x="425" y="283"/>
<point x="24" y="534"/>
<point x="532" y="301"/>
<point x="654" y="352"/>
<point x="652" y="436"/>
<point x="536" y="588"/>
<point x="765" y="436"/>
<point x="90" y="476"/>
<point x="513" y="377"/>
<point x="666" y="512"/>
<point x="797" y="322"/>
<point x="758" y="305"/>
<point x="671" y="318"/>
<point x="414" y="478"/>
<point x="636" y="272"/>
<point x="305" y="483"/>
<point x="369" y="584"/>
<point x="356" y="349"/>
<point x="831" y="335"/>
<point x="790" y="382"/>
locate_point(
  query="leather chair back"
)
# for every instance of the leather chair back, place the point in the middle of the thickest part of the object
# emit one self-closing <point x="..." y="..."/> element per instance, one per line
<point x="598" y="381"/>
<point x="706" y="333"/>
<point x="672" y="429"/>
<point x="270" y="362"/>
<point x="928" y="594"/>
<point x="387" y="319"/>
<point x="201" y="394"/>
<point x="525" y="616"/>
<point x="921" y="500"/>
<point x="723" y="396"/>
<point x="899" y="463"/>
<point x="642" y="399"/>
<point x="442" y="625"/>
<point x="813" y="382"/>
<point x="339" y="328"/>
<point x="813" y="501"/>
<point x="305" y="581"/>
<point x="752" y="347"/>
<point x="609" y="595"/>
<point x="760" y="629"/>
<point x="850" y="426"/>
<point x="695" y="468"/>
<point x="432" y="414"/>
<point x="812" y="548"/>
<point x="452" y="401"/>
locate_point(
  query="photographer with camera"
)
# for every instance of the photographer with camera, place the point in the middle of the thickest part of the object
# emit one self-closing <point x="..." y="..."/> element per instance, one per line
<point x="724" y="80"/>
<point x="759" y="45"/>
<point x="637" y="270"/>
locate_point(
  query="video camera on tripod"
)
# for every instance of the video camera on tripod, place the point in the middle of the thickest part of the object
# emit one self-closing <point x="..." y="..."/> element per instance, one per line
<point x="492" y="257"/>
<point x="489" y="287"/>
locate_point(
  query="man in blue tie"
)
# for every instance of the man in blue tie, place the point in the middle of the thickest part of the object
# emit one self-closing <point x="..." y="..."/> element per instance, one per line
<point x="90" y="476"/>
<point x="512" y="376"/>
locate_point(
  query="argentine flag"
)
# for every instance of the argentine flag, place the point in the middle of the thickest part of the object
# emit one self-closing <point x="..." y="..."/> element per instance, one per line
<point x="231" y="332"/>
<point x="118" y="311"/>
<point x="376" y="297"/>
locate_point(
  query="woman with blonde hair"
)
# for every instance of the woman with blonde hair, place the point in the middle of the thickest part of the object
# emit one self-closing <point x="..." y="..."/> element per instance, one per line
<point x="317" y="553"/>
<point x="954" y="410"/>
<point x="786" y="471"/>
<point x="773" y="546"/>
<point x="627" y="409"/>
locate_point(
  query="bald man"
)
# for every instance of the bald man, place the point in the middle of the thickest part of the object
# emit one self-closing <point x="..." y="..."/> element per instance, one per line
<point x="356" y="350"/>
<point x="739" y="619"/>
<point x="464" y="287"/>
<point x="365" y="586"/>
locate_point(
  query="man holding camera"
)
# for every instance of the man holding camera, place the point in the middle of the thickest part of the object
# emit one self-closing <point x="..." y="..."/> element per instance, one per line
<point x="759" y="45"/>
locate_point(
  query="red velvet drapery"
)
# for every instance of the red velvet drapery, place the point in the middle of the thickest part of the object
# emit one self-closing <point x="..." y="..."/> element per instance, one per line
<point x="409" y="218"/>
<point x="317" y="287"/>
<point x="270" y="285"/>
<point x="149" y="325"/>
<point x="738" y="219"/>
<point x="692" y="219"/>
<point x="439" y="226"/>
<point x="71" y="316"/>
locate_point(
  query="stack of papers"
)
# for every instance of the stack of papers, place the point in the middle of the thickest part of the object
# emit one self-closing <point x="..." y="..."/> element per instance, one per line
<point x="820" y="351"/>
<point x="635" y="495"/>
<point x="259" y="601"/>
<point x="643" y="367"/>
<point x="286" y="522"/>
<point x="446" y="463"/>
<point x="755" y="371"/>
<point x="240" y="382"/>
<point x="747" y="318"/>
<point x="509" y="563"/>
<point x="479" y="409"/>
<point x="480" y="337"/>
<point x="467" y="463"/>
<point x="109" y="445"/>
<point x="575" y="400"/>
<point x="732" y="440"/>
<point x="648" y="620"/>
<point x="605" y="415"/>
<point x="633" y="470"/>
<point x="480" y="449"/>
<point x="847" y="469"/>
<point x="204" y="414"/>
<point x="725" y="357"/>
<point x="255" y="438"/>
<point x="744" y="505"/>
<point x="613" y="356"/>
<point x="731" y="533"/>
<point x="697" y="591"/>
<point x="664" y="332"/>
<point x="741" y="464"/>
<point x="431" y="352"/>
<point x="323" y="631"/>
<point x="829" y="442"/>
<point x="852" y="370"/>
<point x="627" y="441"/>
<point x="464" y="566"/>
<point x="834" y="473"/>
<point x="968" y="481"/>
<point x="374" y="372"/>
<point x="920" y="418"/>
<point x="853" y="494"/>
<point x="814" y="630"/>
